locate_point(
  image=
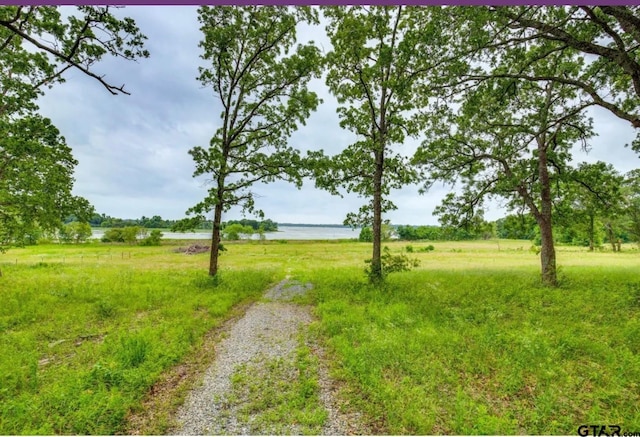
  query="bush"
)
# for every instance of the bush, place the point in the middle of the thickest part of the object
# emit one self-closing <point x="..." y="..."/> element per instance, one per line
<point x="113" y="236"/>
<point x="75" y="232"/>
<point x="392" y="263"/>
<point x="428" y="248"/>
<point x="153" y="239"/>
<point x="235" y="231"/>
<point x="128" y="234"/>
<point x="366" y="235"/>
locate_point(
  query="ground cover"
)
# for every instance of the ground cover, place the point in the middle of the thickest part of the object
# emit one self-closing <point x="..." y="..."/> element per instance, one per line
<point x="468" y="343"/>
<point x="84" y="338"/>
<point x="487" y="351"/>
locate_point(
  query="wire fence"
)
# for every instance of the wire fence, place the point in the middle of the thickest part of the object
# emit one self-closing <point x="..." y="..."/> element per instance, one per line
<point x="57" y="259"/>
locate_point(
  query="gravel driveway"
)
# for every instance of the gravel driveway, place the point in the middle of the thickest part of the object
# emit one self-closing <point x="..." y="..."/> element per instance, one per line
<point x="268" y="333"/>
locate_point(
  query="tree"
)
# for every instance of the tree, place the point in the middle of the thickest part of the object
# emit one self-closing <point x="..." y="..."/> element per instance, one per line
<point x="377" y="70"/>
<point x="516" y="227"/>
<point x="37" y="46"/>
<point x="509" y="139"/>
<point x="236" y="230"/>
<point x="260" y="80"/>
<point x="631" y="193"/>
<point x="36" y="179"/>
<point x="75" y="232"/>
<point x="592" y="192"/>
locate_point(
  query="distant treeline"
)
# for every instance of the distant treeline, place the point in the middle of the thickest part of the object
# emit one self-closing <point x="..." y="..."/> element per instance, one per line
<point x="157" y="222"/>
<point x="266" y="225"/>
<point x="310" y="225"/>
<point x="431" y="232"/>
<point x="514" y="227"/>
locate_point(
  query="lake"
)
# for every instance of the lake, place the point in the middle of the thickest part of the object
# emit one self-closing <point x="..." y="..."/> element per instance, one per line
<point x="283" y="233"/>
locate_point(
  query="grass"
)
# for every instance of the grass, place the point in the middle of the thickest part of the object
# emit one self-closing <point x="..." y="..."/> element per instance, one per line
<point x="468" y="343"/>
<point x="279" y="396"/>
<point x="83" y="340"/>
<point x="487" y="352"/>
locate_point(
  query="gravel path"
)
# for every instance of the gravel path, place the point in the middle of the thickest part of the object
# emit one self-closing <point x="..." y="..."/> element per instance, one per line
<point x="268" y="331"/>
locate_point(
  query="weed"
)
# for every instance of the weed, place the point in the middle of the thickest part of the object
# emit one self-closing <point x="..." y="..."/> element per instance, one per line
<point x="153" y="307"/>
<point x="428" y="248"/>
<point x="133" y="351"/>
<point x="106" y="309"/>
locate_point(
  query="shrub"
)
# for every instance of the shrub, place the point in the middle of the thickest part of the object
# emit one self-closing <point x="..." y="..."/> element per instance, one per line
<point x="153" y="239"/>
<point x="428" y="248"/>
<point x="128" y="234"/>
<point x="392" y="263"/>
<point x="75" y="232"/>
<point x="366" y="235"/>
<point x="236" y="230"/>
<point x="112" y="236"/>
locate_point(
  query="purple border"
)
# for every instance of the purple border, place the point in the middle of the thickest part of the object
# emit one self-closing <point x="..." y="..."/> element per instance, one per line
<point x="325" y="2"/>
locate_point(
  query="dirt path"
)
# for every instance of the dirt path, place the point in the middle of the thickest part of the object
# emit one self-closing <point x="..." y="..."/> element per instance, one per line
<point x="256" y="363"/>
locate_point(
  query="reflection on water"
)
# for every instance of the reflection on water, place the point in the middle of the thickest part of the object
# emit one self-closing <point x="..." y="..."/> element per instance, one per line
<point x="284" y="233"/>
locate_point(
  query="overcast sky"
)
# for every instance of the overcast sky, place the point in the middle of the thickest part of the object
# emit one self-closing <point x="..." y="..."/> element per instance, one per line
<point x="132" y="150"/>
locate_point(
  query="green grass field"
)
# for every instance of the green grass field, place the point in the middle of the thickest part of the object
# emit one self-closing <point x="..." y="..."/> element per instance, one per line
<point x="467" y="343"/>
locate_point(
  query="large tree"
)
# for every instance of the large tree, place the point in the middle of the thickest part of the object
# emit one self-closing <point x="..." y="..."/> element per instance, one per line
<point x="378" y="69"/>
<point x="259" y="77"/>
<point x="509" y="139"/>
<point x="37" y="46"/>
<point x="36" y="179"/>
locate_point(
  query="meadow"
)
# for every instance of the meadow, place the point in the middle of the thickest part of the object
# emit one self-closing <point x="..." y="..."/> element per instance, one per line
<point x="467" y="343"/>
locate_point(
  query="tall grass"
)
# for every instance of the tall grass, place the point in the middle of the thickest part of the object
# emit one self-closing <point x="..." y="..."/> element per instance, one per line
<point x="469" y="343"/>
<point x="487" y="352"/>
<point x="82" y="342"/>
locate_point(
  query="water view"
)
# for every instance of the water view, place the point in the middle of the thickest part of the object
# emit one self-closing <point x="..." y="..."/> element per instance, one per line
<point x="283" y="233"/>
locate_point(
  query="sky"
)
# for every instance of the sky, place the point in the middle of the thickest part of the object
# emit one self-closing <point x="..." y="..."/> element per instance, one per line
<point x="133" y="150"/>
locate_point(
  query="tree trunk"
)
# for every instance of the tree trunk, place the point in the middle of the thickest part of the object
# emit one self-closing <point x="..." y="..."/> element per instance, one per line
<point x="610" y="236"/>
<point x="215" y="239"/>
<point x="547" y="249"/>
<point x="381" y="131"/>
<point x="376" y="261"/>
<point x="591" y="234"/>
<point x="547" y="253"/>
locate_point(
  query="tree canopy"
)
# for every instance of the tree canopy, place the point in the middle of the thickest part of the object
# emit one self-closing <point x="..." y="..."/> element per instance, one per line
<point x="37" y="46"/>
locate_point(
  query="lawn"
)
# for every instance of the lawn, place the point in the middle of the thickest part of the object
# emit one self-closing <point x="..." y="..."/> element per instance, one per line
<point x="467" y="343"/>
